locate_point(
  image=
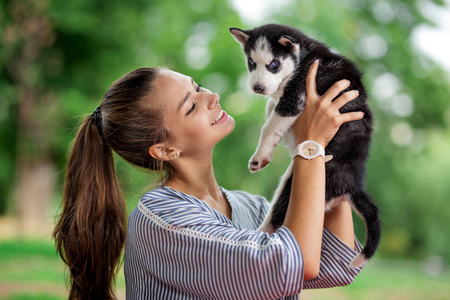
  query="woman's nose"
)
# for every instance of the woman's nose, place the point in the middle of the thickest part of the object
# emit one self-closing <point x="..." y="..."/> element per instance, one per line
<point x="212" y="100"/>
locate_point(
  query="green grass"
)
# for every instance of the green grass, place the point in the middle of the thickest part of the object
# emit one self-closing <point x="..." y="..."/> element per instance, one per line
<point x="38" y="296"/>
<point x="32" y="270"/>
<point x="390" y="280"/>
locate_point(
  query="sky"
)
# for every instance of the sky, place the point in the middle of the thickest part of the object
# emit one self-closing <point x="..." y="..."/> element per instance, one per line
<point x="435" y="41"/>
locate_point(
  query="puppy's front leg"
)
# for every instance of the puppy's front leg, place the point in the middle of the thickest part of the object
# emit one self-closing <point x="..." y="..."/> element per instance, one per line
<point x="271" y="135"/>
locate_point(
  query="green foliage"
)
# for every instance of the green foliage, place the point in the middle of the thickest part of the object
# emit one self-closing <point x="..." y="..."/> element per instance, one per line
<point x="95" y="42"/>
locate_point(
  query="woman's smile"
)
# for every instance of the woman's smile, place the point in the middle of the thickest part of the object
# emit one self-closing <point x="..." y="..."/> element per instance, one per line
<point x="221" y="116"/>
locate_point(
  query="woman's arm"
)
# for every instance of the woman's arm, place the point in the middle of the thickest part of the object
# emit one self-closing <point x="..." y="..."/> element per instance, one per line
<point x="305" y="215"/>
<point x="339" y="221"/>
<point x="319" y="121"/>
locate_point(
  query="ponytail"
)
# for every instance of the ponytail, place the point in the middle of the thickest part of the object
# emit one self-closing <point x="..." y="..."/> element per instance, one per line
<point x="90" y="232"/>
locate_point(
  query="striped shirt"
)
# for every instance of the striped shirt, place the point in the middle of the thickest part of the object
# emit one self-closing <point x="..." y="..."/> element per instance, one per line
<point x="180" y="248"/>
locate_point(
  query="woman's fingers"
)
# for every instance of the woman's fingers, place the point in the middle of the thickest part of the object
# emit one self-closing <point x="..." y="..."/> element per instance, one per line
<point x="345" y="98"/>
<point x="350" y="116"/>
<point x="311" y="88"/>
<point x="336" y="89"/>
<point x="321" y="118"/>
<point x="340" y="102"/>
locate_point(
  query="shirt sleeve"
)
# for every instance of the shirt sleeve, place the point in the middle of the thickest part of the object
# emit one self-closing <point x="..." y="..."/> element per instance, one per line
<point x="335" y="258"/>
<point x="334" y="263"/>
<point x="179" y="249"/>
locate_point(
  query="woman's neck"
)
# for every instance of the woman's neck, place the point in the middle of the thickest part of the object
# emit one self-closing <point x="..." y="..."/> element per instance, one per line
<point x="197" y="178"/>
<point x="194" y="177"/>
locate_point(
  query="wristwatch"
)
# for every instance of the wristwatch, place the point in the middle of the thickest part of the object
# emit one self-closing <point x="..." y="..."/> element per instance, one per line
<point x="311" y="149"/>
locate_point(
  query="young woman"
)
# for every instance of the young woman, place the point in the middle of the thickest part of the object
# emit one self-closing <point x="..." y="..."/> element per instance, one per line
<point x="190" y="238"/>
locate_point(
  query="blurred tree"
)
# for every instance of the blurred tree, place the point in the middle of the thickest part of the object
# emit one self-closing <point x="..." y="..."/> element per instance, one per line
<point x="27" y="35"/>
<point x="59" y="57"/>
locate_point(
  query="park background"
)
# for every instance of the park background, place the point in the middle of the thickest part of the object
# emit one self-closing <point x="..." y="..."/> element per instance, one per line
<point x="57" y="59"/>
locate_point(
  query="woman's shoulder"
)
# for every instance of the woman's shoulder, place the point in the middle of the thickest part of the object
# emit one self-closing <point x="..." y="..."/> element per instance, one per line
<point x="246" y="198"/>
<point x="159" y="192"/>
<point x="173" y="207"/>
<point x="168" y="196"/>
<point x="163" y="198"/>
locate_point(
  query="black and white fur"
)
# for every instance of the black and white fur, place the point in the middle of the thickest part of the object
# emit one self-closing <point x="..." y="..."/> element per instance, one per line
<point x="278" y="59"/>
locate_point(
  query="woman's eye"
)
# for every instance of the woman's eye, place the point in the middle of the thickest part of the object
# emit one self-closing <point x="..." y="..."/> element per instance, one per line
<point x="191" y="109"/>
<point x="198" y="88"/>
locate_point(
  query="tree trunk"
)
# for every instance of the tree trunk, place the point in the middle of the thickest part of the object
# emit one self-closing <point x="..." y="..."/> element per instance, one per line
<point x="34" y="191"/>
<point x="27" y="35"/>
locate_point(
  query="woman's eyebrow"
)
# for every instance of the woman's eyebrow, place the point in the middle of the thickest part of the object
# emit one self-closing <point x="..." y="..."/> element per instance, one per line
<point x="185" y="98"/>
<point x="184" y="101"/>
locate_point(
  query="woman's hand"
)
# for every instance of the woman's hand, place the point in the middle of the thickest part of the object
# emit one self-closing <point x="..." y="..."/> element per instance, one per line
<point x="321" y="118"/>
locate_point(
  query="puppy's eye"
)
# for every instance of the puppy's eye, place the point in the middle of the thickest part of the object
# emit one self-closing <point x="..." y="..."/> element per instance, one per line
<point x="274" y="64"/>
<point x="251" y="63"/>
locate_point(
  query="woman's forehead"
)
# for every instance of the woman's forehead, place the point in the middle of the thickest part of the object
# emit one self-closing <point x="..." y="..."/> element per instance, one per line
<point x="171" y="86"/>
<point x="171" y="77"/>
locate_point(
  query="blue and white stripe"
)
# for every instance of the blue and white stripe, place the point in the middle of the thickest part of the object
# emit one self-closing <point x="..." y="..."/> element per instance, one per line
<point x="179" y="248"/>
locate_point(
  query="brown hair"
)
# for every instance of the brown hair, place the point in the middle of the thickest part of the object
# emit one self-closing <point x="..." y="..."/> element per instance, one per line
<point x="90" y="232"/>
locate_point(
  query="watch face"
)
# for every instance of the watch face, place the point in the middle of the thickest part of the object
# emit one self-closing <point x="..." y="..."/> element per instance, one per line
<point x="309" y="149"/>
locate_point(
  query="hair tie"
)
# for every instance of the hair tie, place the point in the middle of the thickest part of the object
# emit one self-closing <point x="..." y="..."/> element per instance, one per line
<point x="96" y="116"/>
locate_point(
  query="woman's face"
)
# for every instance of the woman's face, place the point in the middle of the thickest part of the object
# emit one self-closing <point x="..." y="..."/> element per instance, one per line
<point x="192" y="113"/>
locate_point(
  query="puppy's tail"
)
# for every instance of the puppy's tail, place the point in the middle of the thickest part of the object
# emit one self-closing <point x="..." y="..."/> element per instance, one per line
<point x="358" y="261"/>
<point x="364" y="206"/>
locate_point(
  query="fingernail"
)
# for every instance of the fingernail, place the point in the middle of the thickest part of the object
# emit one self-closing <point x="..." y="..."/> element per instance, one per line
<point x="348" y="81"/>
<point x="316" y="61"/>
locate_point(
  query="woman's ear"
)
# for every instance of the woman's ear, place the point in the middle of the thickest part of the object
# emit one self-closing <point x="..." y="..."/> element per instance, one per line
<point x="161" y="151"/>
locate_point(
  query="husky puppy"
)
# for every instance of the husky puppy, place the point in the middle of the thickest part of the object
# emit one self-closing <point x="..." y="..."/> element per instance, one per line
<point x="278" y="59"/>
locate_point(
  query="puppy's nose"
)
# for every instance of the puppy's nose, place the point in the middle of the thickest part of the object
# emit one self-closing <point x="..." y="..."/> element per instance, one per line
<point x="258" y="89"/>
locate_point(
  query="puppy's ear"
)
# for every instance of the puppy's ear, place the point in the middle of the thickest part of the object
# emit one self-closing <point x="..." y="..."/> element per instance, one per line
<point x="240" y="35"/>
<point x="288" y="41"/>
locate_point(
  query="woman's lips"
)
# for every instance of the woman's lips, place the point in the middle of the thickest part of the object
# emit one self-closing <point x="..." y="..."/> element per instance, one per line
<point x="222" y="115"/>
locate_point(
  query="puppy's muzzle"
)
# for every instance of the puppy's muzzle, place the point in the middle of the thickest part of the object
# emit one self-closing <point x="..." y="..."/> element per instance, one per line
<point x="259" y="89"/>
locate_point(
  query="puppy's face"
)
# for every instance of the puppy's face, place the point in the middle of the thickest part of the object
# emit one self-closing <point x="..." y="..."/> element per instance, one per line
<point x="268" y="67"/>
<point x="267" y="71"/>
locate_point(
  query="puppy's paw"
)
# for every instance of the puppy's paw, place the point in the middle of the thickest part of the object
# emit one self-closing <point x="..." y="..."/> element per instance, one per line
<point x="256" y="165"/>
<point x="258" y="162"/>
